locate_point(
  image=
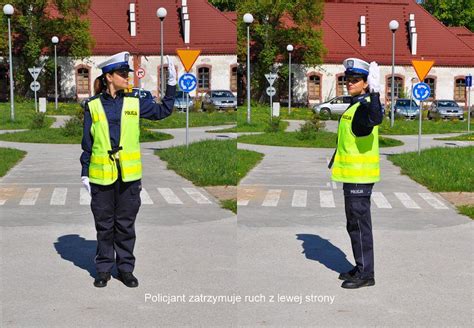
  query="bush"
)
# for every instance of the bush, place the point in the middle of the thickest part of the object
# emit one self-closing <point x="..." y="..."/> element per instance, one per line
<point x="39" y="121"/>
<point x="308" y="130"/>
<point x="72" y="127"/>
<point x="273" y="125"/>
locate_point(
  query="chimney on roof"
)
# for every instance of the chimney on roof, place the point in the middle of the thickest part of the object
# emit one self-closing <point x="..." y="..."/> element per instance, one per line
<point x="362" y="31"/>
<point x="185" y="22"/>
<point x="413" y="34"/>
<point x="132" y="19"/>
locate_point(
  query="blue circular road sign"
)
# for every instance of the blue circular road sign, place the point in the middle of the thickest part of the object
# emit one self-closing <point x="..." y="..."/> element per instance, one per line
<point x="421" y="91"/>
<point x="187" y="82"/>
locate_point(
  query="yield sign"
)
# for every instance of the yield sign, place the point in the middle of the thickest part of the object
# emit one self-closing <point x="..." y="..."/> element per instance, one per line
<point x="271" y="77"/>
<point x="422" y="67"/>
<point x="188" y="57"/>
<point x="34" y="71"/>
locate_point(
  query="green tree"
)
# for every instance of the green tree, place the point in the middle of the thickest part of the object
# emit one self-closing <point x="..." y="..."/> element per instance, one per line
<point x="452" y="12"/>
<point x="224" y="5"/>
<point x="34" y="22"/>
<point x="278" y="23"/>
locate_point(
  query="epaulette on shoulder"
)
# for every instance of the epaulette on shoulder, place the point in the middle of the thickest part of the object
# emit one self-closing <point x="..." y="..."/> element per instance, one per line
<point x="131" y="94"/>
<point x="86" y="101"/>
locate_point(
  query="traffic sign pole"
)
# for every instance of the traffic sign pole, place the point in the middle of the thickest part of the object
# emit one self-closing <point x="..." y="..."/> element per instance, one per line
<point x="187" y="119"/>
<point x="187" y="82"/>
<point x="421" y="91"/>
<point x="419" y="128"/>
<point x="469" y="85"/>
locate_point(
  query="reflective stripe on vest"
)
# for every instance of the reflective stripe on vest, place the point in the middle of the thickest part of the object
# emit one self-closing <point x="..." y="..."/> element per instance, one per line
<point x="102" y="167"/>
<point x="357" y="159"/>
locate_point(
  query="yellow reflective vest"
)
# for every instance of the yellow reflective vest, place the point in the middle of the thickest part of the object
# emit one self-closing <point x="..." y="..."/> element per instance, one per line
<point x="357" y="158"/>
<point x="102" y="168"/>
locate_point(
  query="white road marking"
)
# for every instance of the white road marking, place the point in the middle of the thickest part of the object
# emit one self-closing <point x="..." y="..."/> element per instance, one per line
<point x="326" y="198"/>
<point x="146" y="200"/>
<point x="299" y="198"/>
<point x="30" y="197"/>
<point x="4" y="193"/>
<point x="433" y="201"/>
<point x="59" y="196"/>
<point x="334" y="185"/>
<point x="197" y="196"/>
<point x="85" y="198"/>
<point x="169" y="196"/>
<point x="2" y="201"/>
<point x="380" y="200"/>
<point x="272" y="198"/>
<point x="406" y="200"/>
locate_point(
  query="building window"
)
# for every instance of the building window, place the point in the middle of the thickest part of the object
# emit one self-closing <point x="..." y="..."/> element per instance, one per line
<point x="341" y="88"/>
<point x="204" y="78"/>
<point x="398" y="87"/>
<point x="460" y="89"/>
<point x="314" y="87"/>
<point x="233" y="78"/>
<point x="431" y="81"/>
<point x="82" y="81"/>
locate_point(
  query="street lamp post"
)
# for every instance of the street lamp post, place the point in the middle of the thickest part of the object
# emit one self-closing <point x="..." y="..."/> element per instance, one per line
<point x="289" y="48"/>
<point x="393" y="25"/>
<point x="248" y="19"/>
<point x="161" y="13"/>
<point x="55" y="41"/>
<point x="8" y="10"/>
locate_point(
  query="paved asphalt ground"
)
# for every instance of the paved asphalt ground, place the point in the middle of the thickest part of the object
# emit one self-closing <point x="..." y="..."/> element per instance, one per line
<point x="282" y="255"/>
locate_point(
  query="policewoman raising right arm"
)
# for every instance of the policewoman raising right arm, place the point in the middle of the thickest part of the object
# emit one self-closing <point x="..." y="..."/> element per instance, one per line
<point x="111" y="163"/>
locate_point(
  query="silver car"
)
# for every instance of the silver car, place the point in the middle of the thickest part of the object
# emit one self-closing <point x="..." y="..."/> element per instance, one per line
<point x="219" y="99"/>
<point x="445" y="109"/>
<point x="180" y="102"/>
<point x="336" y="105"/>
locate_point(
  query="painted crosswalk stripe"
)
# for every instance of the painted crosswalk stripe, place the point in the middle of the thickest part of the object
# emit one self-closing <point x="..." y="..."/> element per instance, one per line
<point x="326" y="198"/>
<point x="85" y="198"/>
<point x="197" y="196"/>
<point x="30" y="197"/>
<point x="406" y="200"/>
<point x="169" y="196"/>
<point x="380" y="200"/>
<point x="272" y="198"/>
<point x="244" y="196"/>
<point x="433" y="201"/>
<point x="59" y="196"/>
<point x="2" y="201"/>
<point x="299" y="198"/>
<point x="146" y="200"/>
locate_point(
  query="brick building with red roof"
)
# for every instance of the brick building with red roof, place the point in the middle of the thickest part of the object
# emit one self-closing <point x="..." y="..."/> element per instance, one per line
<point x="359" y="28"/>
<point x="133" y="25"/>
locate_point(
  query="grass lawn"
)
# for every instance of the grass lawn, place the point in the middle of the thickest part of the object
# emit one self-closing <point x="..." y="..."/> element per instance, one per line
<point x="405" y="127"/>
<point x="178" y="120"/>
<point x="467" y="210"/>
<point x="9" y="158"/>
<point x="230" y="204"/>
<point x="247" y="159"/>
<point x="24" y="113"/>
<point x="323" y="139"/>
<point x="57" y="136"/>
<point x="439" y="169"/>
<point x="259" y="119"/>
<point x="462" y="137"/>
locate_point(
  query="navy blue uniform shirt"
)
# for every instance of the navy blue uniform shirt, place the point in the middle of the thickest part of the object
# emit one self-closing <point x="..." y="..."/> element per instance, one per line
<point x="368" y="115"/>
<point x="113" y="111"/>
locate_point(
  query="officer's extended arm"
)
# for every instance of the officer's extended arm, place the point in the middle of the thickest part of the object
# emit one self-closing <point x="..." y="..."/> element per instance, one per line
<point x="86" y="143"/>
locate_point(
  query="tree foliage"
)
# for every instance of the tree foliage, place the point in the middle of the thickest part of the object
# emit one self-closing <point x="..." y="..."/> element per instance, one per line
<point x="33" y="23"/>
<point x="452" y="12"/>
<point x="276" y="24"/>
<point x="224" y="5"/>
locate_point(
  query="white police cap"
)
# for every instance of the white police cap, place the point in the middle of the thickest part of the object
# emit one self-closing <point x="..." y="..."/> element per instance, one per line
<point x="116" y="62"/>
<point x="356" y="66"/>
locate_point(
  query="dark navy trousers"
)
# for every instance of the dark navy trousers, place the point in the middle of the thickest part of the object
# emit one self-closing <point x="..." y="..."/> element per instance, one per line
<point x="359" y="226"/>
<point x="115" y="209"/>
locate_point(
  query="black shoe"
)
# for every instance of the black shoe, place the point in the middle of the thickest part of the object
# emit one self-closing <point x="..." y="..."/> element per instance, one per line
<point x="128" y="279"/>
<point x="357" y="282"/>
<point x="101" y="279"/>
<point x="348" y="275"/>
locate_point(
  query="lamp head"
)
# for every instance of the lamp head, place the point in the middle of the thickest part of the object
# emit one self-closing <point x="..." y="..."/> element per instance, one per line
<point x="393" y="25"/>
<point x="55" y="40"/>
<point x="8" y="9"/>
<point x="161" y="13"/>
<point x="248" y="18"/>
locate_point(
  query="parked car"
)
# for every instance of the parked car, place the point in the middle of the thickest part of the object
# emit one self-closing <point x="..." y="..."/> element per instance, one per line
<point x="219" y="99"/>
<point x="180" y="101"/>
<point x="336" y="105"/>
<point x="403" y="108"/>
<point x="445" y="109"/>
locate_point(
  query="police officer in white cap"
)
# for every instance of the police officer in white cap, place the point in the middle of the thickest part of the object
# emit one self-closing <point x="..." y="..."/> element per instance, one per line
<point x="111" y="163"/>
<point x="356" y="164"/>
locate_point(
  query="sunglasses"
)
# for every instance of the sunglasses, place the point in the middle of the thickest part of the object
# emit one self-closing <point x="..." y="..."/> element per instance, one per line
<point x="353" y="80"/>
<point x="123" y="74"/>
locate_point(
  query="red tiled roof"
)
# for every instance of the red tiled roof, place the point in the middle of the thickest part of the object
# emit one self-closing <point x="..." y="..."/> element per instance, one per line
<point x="211" y="30"/>
<point x="435" y="41"/>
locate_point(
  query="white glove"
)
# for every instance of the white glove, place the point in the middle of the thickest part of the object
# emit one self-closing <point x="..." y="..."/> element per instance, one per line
<point x="374" y="77"/>
<point x="87" y="185"/>
<point x="171" y="71"/>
